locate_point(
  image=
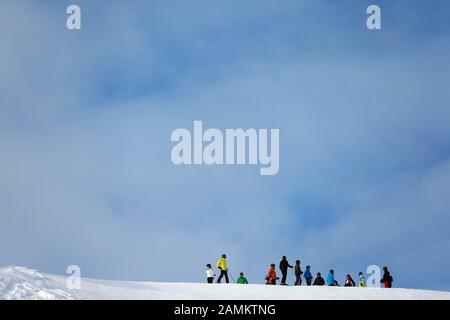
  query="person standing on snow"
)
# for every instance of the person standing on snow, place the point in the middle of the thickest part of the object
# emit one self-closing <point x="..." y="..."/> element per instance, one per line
<point x="209" y="273"/>
<point x="362" y="280"/>
<point x="284" y="265"/>
<point x="330" y="278"/>
<point x="308" y="276"/>
<point x="222" y="265"/>
<point x="242" y="279"/>
<point x="272" y="275"/>
<point x="349" y="281"/>
<point x="387" y="278"/>
<point x="319" y="281"/>
<point x="298" y="273"/>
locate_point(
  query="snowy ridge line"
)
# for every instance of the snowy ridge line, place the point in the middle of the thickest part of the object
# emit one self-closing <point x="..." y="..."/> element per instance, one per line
<point x="23" y="283"/>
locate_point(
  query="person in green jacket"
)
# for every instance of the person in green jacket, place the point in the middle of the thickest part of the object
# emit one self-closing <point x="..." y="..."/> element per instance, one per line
<point x="242" y="279"/>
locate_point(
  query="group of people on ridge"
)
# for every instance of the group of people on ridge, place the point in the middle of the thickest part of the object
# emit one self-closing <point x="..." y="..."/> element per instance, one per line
<point x="271" y="277"/>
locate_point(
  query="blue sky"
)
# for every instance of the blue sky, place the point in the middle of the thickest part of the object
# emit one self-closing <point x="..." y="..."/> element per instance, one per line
<point x="86" y="118"/>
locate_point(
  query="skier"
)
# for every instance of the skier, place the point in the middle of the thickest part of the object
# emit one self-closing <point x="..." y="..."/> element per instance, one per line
<point x="387" y="278"/>
<point x="284" y="265"/>
<point x="319" y="281"/>
<point x="298" y="273"/>
<point x="242" y="279"/>
<point x="362" y="280"/>
<point x="272" y="275"/>
<point x="308" y="276"/>
<point x="330" y="278"/>
<point x="209" y="273"/>
<point x="349" y="281"/>
<point x="222" y="265"/>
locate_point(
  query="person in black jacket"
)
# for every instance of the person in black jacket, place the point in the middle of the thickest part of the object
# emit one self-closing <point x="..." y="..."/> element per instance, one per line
<point x="298" y="273"/>
<point x="319" y="281"/>
<point x="387" y="278"/>
<point x="284" y="265"/>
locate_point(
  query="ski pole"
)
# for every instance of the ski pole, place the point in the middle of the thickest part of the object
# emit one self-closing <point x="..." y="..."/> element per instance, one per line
<point x="231" y="276"/>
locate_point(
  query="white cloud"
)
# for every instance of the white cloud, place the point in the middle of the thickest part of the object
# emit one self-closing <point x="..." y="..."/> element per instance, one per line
<point x="91" y="182"/>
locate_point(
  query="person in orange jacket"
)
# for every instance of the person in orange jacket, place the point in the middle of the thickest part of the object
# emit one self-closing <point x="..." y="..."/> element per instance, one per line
<point x="271" y="277"/>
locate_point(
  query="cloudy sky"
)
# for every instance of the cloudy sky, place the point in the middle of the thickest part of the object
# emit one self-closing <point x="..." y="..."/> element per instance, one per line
<point x="86" y="118"/>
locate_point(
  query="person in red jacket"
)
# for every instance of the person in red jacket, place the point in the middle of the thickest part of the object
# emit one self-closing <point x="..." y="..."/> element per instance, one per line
<point x="349" y="281"/>
<point x="271" y="277"/>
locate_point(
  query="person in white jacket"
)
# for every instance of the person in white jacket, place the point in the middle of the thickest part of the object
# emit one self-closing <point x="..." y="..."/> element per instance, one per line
<point x="209" y="273"/>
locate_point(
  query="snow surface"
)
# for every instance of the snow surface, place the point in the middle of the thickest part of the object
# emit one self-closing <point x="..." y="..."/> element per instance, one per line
<point x="24" y="283"/>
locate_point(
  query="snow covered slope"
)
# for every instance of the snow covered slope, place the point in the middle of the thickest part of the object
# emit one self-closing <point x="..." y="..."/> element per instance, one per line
<point x="23" y="283"/>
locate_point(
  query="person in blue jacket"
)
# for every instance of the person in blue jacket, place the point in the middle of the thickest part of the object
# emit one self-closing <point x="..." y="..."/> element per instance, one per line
<point x="330" y="278"/>
<point x="308" y="276"/>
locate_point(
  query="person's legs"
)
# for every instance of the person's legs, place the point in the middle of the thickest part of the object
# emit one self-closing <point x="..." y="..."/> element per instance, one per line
<point x="226" y="276"/>
<point x="283" y="279"/>
<point x="220" y="277"/>
<point x="210" y="280"/>
<point x="274" y="282"/>
<point x="308" y="281"/>
<point x="297" y="280"/>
